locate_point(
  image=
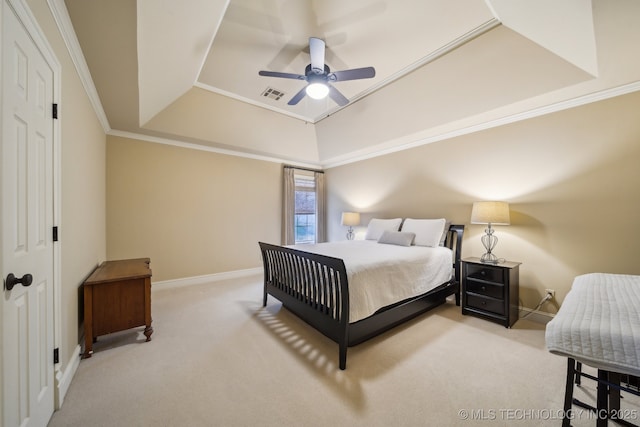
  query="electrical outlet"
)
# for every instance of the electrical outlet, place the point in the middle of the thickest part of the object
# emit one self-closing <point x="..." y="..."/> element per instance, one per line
<point x="551" y="292"/>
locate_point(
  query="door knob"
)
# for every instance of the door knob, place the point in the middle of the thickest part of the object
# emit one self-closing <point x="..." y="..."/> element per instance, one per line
<point x="13" y="280"/>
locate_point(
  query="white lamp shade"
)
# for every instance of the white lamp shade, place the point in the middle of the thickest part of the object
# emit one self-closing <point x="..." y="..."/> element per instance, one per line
<point x="494" y="213"/>
<point x="350" y="218"/>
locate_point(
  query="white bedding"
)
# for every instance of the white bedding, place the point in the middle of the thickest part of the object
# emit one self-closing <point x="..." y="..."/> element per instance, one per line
<point x="381" y="274"/>
<point x="599" y="323"/>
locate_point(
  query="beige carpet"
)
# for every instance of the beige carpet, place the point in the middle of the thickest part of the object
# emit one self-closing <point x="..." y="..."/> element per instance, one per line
<point x="218" y="358"/>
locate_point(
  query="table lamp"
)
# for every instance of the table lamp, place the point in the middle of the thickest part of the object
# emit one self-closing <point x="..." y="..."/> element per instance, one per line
<point x="490" y="213"/>
<point x="350" y="219"/>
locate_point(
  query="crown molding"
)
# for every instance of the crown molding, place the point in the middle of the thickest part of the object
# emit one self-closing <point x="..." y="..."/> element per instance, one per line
<point x="63" y="21"/>
<point x="347" y="159"/>
<point x="536" y="112"/>
<point x="192" y="146"/>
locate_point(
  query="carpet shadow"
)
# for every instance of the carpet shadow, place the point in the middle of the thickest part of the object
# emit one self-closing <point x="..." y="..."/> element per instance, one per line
<point x="366" y="361"/>
<point x="119" y="339"/>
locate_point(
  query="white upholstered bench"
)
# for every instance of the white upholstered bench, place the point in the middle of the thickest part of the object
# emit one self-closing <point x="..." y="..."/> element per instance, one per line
<point x="598" y="324"/>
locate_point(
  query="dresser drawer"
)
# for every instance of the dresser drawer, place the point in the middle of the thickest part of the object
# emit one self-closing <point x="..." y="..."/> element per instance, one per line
<point x="484" y="288"/>
<point x="482" y="272"/>
<point x="485" y="303"/>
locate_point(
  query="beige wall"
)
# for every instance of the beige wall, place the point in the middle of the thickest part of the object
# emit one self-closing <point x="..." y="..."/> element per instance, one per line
<point x="192" y="212"/>
<point x="571" y="178"/>
<point x="82" y="226"/>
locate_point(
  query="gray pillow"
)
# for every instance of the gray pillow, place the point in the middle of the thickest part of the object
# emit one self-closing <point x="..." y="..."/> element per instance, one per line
<point x="400" y="238"/>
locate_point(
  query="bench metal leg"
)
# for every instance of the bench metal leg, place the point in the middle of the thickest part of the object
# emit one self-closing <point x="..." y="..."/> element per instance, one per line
<point x="614" y="392"/>
<point x="609" y="388"/>
<point x="602" y="399"/>
<point x="568" y="392"/>
<point x="578" y="369"/>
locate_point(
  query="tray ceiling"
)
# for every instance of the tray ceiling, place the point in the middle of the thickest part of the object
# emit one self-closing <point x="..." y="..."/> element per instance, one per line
<point x="189" y="70"/>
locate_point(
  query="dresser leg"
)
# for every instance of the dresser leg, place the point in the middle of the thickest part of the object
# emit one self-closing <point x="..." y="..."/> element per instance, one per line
<point x="148" y="331"/>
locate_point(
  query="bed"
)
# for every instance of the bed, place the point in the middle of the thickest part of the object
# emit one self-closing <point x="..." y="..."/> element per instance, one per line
<point x="332" y="293"/>
<point x="598" y="324"/>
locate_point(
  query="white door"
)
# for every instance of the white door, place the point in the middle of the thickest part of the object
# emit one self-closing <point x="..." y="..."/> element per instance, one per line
<point x="27" y="221"/>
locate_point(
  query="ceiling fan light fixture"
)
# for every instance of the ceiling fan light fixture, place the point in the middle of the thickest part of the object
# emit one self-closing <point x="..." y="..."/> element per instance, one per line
<point x="317" y="90"/>
<point x="318" y="75"/>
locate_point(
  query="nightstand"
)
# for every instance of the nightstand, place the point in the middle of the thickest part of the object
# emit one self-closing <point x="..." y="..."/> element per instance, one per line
<point x="490" y="291"/>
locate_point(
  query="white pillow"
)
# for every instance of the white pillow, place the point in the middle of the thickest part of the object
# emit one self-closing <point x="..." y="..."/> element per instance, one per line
<point x="428" y="231"/>
<point x="377" y="226"/>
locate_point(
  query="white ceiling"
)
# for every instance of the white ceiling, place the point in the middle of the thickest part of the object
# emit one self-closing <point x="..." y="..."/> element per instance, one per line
<point x="188" y="71"/>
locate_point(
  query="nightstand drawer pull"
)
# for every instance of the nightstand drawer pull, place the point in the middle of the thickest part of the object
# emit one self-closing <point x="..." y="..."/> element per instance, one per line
<point x="487" y="304"/>
<point x="481" y="272"/>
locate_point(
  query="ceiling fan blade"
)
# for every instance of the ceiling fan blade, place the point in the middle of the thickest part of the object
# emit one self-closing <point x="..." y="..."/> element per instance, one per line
<point x="282" y="75"/>
<point x="298" y="96"/>
<point x="354" y="74"/>
<point x="337" y="96"/>
<point x="316" y="50"/>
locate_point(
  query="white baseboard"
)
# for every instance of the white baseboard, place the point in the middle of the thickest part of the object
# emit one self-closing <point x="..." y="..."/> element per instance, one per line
<point x="536" y="316"/>
<point x="207" y="278"/>
<point x="63" y="379"/>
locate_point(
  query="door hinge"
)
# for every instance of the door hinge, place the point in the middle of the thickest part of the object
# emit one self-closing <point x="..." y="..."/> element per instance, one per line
<point x="55" y="233"/>
<point x="56" y="356"/>
<point x="55" y="111"/>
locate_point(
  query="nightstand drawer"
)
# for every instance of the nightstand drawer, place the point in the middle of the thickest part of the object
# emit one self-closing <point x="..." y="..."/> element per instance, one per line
<point x="482" y="272"/>
<point x="484" y="288"/>
<point x="486" y="303"/>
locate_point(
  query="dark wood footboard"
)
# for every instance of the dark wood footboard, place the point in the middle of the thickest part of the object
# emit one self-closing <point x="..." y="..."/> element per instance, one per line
<point x="316" y="288"/>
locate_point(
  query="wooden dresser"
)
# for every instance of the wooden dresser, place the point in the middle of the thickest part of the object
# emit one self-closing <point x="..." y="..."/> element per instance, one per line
<point x="117" y="296"/>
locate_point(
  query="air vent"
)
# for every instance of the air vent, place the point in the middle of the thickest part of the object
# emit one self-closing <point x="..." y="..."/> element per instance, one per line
<point x="272" y="93"/>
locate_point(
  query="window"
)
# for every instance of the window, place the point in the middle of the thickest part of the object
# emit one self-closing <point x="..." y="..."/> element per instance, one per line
<point x="303" y="206"/>
<point x="305" y="209"/>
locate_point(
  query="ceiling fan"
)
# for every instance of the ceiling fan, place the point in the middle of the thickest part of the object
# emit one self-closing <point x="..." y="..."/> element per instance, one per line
<point x="318" y="76"/>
